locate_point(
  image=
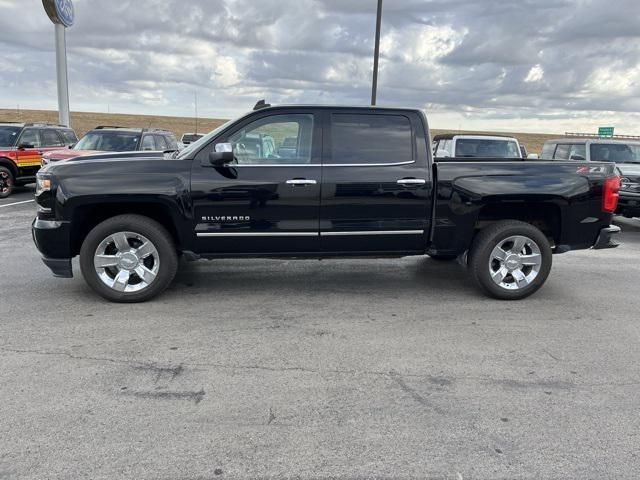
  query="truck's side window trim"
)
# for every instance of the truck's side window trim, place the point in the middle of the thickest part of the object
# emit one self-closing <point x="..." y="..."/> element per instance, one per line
<point x="328" y="133"/>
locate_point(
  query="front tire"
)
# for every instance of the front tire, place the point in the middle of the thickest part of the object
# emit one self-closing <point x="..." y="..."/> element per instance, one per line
<point x="510" y="260"/>
<point x="7" y="182"/>
<point x="128" y="259"/>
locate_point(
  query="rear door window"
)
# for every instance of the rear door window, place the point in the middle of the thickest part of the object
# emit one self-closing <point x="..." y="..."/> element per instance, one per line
<point x="370" y="139"/>
<point x="562" y="152"/>
<point x="547" y="151"/>
<point x="161" y="144"/>
<point x="31" y="137"/>
<point x="50" y="138"/>
<point x="578" y="152"/>
<point x="148" y="143"/>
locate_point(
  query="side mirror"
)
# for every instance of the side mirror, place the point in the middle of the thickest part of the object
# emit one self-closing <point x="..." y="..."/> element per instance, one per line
<point x="533" y="156"/>
<point x="24" y="146"/>
<point x="222" y="155"/>
<point x="442" y="153"/>
<point x="71" y="146"/>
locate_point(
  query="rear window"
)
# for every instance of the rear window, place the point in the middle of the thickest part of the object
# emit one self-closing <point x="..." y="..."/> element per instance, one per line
<point x="615" y="152"/>
<point x="69" y="136"/>
<point x="479" y="147"/>
<point x="363" y="138"/>
<point x="109" y="141"/>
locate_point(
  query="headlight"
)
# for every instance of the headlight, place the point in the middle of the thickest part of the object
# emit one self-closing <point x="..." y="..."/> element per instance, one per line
<point x="43" y="184"/>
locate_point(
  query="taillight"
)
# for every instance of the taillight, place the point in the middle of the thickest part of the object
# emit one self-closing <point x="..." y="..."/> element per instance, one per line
<point x="610" y="194"/>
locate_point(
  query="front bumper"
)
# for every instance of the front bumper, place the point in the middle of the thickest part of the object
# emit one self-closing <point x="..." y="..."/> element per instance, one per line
<point x="60" y="267"/>
<point x="607" y="238"/>
<point x="52" y="238"/>
<point x="628" y="204"/>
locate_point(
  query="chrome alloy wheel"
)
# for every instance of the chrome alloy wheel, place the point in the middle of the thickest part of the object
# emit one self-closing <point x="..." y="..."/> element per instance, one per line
<point x="515" y="262"/>
<point x="126" y="262"/>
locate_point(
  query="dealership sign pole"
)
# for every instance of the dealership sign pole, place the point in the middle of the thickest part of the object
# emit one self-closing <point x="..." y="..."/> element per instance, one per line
<point x="62" y="14"/>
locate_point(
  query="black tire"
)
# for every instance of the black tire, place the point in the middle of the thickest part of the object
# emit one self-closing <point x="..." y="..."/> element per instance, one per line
<point x="443" y="258"/>
<point x="480" y="259"/>
<point x="138" y="224"/>
<point x="7" y="182"/>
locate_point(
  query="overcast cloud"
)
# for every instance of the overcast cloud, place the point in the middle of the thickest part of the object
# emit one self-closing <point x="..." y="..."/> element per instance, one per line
<point x="536" y="65"/>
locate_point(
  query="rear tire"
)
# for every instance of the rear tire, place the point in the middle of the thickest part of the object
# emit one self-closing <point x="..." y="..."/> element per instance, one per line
<point x="7" y="182"/>
<point x="128" y="259"/>
<point x="510" y="260"/>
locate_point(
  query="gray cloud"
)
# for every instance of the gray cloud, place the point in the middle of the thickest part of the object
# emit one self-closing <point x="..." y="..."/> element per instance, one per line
<point x="533" y="64"/>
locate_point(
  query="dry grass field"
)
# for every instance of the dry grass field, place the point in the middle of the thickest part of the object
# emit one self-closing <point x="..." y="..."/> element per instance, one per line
<point x="83" y="121"/>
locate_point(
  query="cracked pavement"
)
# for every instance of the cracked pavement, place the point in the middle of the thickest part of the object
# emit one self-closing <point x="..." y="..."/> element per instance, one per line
<point x="307" y="369"/>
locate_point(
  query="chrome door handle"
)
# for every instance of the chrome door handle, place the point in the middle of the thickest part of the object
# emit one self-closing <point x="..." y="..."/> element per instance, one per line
<point x="412" y="181"/>
<point x="300" y="181"/>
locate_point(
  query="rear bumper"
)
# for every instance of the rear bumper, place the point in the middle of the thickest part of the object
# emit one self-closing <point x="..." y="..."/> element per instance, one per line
<point x="607" y="238"/>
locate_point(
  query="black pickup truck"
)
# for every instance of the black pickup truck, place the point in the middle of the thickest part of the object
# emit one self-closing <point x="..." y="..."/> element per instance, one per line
<point x="329" y="182"/>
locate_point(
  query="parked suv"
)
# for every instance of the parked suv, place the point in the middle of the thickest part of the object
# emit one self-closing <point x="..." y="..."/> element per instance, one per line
<point x="116" y="139"/>
<point x="21" y="148"/>
<point x="625" y="154"/>
<point x="478" y="146"/>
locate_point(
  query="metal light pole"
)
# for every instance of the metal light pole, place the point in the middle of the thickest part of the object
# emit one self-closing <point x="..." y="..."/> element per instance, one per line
<point x="376" y="54"/>
<point x="61" y="69"/>
<point x="62" y="14"/>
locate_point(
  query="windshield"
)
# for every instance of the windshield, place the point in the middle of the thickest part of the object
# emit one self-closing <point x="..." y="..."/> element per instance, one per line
<point x="615" y="152"/>
<point x="195" y="146"/>
<point x="8" y="136"/>
<point x="109" y="142"/>
<point x="191" y="137"/>
<point x="479" y="147"/>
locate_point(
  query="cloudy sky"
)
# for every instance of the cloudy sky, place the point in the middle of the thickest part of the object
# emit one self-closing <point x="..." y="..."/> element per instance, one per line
<point x="519" y="65"/>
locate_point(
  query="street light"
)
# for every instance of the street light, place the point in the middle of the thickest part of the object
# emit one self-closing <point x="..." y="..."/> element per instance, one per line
<point x="376" y="54"/>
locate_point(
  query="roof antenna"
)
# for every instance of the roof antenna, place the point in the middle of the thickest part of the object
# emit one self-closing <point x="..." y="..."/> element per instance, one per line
<point x="261" y="104"/>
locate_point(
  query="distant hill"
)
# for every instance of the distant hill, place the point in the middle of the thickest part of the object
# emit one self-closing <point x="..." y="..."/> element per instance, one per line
<point x="84" y="121"/>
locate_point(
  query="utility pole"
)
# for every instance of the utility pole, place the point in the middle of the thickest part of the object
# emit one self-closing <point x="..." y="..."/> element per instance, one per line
<point x="195" y="95"/>
<point x="376" y="54"/>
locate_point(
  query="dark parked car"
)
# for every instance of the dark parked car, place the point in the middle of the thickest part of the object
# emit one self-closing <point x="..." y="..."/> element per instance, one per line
<point x="359" y="182"/>
<point x="624" y="153"/>
<point x="21" y="149"/>
<point x="116" y="139"/>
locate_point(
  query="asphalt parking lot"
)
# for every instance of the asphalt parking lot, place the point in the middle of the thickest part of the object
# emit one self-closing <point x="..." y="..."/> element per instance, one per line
<point x="340" y="368"/>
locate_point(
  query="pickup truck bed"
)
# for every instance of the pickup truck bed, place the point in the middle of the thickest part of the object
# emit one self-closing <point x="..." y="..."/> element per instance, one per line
<point x="350" y="182"/>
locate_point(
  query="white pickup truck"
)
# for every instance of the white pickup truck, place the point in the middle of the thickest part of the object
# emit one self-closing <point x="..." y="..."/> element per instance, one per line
<point x="488" y="146"/>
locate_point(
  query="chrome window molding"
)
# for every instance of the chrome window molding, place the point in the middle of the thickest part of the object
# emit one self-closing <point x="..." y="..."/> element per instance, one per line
<point x="391" y="164"/>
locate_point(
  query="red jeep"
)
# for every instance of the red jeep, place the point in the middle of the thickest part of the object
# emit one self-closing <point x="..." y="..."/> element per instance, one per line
<point x="21" y="149"/>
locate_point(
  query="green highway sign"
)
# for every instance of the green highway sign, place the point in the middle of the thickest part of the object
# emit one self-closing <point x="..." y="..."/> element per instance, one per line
<point x="605" y="132"/>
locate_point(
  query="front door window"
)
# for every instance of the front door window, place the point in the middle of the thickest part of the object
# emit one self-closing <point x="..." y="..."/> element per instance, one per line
<point x="276" y="139"/>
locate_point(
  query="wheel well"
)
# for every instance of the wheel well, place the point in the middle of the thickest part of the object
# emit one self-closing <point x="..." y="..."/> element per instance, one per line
<point x="7" y="162"/>
<point x="544" y="216"/>
<point x="87" y="217"/>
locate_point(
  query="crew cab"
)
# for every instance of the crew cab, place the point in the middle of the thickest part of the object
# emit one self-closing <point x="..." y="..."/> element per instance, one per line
<point x="480" y="146"/>
<point x="624" y="153"/>
<point x="21" y="149"/>
<point x="106" y="138"/>
<point x="355" y="181"/>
